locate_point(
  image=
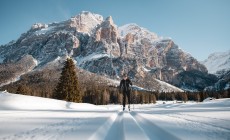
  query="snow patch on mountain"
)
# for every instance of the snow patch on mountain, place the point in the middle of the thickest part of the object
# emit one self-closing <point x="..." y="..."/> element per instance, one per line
<point x="93" y="56"/>
<point x="227" y="86"/>
<point x="15" y="79"/>
<point x="189" y="89"/>
<point x="85" y="15"/>
<point x="35" y="62"/>
<point x="145" y="69"/>
<point x="39" y="26"/>
<point x="29" y="64"/>
<point x="86" y="21"/>
<point x="44" y="30"/>
<point x="138" y="31"/>
<point x="217" y="61"/>
<point x="166" y="87"/>
<point x="1" y="59"/>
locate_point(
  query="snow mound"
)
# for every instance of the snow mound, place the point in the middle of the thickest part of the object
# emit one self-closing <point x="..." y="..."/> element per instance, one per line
<point x="15" y="101"/>
<point x="225" y="102"/>
<point x="208" y="99"/>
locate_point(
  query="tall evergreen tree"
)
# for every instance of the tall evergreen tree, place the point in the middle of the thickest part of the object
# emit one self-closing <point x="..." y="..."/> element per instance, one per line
<point x="67" y="87"/>
<point x="22" y="89"/>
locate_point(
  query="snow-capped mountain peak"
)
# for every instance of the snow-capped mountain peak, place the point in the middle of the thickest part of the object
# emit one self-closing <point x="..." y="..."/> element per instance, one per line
<point x="218" y="61"/>
<point x="134" y="29"/>
<point x="100" y="47"/>
<point x="86" y="21"/>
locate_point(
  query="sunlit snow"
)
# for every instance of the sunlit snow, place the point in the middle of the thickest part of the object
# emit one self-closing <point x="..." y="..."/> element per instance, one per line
<point x="90" y="57"/>
<point x="34" y="118"/>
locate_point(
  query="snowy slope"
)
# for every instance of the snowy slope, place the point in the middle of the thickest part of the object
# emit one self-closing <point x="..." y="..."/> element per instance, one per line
<point x="34" y="118"/>
<point x="23" y="102"/>
<point x="218" y="61"/>
<point x="166" y="87"/>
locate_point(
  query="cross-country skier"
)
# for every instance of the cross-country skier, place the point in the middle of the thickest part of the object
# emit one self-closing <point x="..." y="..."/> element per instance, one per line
<point x="125" y="89"/>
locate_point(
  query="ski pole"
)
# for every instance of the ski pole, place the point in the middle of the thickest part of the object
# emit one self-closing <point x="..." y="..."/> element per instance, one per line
<point x="133" y="101"/>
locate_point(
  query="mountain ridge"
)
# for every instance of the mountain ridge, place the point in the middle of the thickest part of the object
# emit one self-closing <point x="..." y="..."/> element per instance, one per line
<point x="217" y="61"/>
<point x="99" y="46"/>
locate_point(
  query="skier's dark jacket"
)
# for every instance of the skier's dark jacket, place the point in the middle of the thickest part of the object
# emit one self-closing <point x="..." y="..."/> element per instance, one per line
<point x="124" y="85"/>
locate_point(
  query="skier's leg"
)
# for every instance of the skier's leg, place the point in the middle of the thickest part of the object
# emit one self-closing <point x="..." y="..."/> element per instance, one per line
<point x="129" y="101"/>
<point x="124" y="100"/>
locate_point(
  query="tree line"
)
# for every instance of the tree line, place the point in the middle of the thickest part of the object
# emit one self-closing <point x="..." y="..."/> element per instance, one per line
<point x="69" y="88"/>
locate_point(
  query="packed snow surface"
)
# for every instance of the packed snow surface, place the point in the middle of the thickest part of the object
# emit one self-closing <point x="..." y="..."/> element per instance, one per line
<point x="34" y="118"/>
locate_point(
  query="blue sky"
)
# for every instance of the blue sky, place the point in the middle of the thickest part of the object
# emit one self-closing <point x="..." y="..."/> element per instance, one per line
<point x="199" y="27"/>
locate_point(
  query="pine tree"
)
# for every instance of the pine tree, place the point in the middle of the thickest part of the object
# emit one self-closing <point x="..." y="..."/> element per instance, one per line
<point x="22" y="89"/>
<point x="67" y="87"/>
<point x="197" y="97"/>
<point x="154" y="98"/>
<point x="185" y="97"/>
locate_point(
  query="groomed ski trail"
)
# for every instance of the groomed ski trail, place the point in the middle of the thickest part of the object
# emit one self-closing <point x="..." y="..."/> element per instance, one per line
<point x="152" y="130"/>
<point x="125" y="127"/>
<point x="131" y="126"/>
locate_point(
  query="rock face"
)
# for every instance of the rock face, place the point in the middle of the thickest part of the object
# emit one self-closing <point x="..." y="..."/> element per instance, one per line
<point x="219" y="64"/>
<point x="223" y="82"/>
<point x="99" y="46"/>
<point x="11" y="72"/>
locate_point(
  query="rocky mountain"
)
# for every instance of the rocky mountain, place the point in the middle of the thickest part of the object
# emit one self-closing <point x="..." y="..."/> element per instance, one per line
<point x="219" y="64"/>
<point x="100" y="47"/>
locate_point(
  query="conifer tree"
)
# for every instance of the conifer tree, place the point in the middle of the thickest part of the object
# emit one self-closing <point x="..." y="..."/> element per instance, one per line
<point x="67" y="87"/>
<point x="197" y="97"/>
<point x="154" y="98"/>
<point x="22" y="89"/>
<point x="184" y="97"/>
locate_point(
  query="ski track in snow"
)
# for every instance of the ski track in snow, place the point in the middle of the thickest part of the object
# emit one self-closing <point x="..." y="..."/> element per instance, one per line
<point x="48" y="132"/>
<point x="152" y="130"/>
<point x="210" y="122"/>
<point x="186" y="123"/>
<point x="190" y="121"/>
<point x="135" y="125"/>
<point x="211" y="131"/>
<point x="62" y="128"/>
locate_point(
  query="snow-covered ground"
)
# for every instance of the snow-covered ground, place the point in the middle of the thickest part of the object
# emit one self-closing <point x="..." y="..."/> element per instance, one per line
<point x="33" y="118"/>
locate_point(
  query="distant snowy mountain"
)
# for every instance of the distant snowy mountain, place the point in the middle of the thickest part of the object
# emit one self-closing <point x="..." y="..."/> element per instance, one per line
<point x="99" y="46"/>
<point x="218" y="62"/>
